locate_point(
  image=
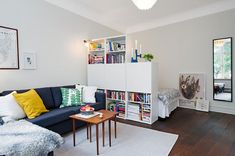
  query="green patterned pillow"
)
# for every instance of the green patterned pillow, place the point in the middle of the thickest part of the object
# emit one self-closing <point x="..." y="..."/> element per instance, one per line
<point x="71" y="97"/>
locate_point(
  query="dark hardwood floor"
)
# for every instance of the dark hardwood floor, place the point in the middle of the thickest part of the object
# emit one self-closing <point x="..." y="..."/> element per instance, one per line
<point x="200" y="134"/>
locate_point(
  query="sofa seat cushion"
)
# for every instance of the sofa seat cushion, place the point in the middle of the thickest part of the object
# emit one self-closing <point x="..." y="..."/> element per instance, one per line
<point x="54" y="116"/>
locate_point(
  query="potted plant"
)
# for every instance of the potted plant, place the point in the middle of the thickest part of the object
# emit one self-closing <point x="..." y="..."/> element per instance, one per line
<point x="148" y="57"/>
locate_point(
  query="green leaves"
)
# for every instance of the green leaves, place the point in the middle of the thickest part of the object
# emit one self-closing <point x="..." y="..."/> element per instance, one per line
<point x="148" y="57"/>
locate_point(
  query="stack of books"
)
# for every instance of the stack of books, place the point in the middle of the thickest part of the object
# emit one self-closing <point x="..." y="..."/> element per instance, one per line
<point x="94" y="59"/>
<point x="133" y="111"/>
<point x="116" y="95"/>
<point x="139" y="97"/>
<point x="115" y="58"/>
<point x="146" y="110"/>
<point x="121" y="109"/>
<point x="146" y="117"/>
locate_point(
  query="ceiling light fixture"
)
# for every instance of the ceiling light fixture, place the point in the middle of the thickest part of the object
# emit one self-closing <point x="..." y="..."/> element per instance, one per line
<point x="144" y="4"/>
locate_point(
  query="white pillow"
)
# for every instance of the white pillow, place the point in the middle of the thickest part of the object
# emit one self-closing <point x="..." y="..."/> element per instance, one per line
<point x="10" y="108"/>
<point x="80" y="87"/>
<point x="88" y="93"/>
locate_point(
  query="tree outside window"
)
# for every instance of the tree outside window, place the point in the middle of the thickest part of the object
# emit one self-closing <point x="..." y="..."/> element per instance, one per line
<point x="222" y="59"/>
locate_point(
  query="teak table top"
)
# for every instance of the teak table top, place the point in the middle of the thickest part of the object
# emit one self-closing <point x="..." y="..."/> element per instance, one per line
<point x="107" y="115"/>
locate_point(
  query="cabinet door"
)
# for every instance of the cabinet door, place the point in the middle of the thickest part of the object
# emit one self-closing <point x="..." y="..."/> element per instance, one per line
<point x="96" y="75"/>
<point x="139" y="77"/>
<point x="115" y="77"/>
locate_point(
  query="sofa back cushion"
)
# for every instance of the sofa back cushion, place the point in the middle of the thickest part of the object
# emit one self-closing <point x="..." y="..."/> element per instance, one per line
<point x="44" y="93"/>
<point x="57" y="96"/>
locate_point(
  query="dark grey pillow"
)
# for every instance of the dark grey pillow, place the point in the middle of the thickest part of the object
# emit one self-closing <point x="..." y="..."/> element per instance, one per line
<point x="1" y="121"/>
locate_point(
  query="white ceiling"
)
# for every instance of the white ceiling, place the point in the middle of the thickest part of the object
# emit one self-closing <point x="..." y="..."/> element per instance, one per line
<point x="123" y="16"/>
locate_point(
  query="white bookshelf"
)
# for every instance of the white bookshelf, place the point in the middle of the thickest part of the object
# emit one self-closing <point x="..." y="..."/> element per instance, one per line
<point x="125" y="78"/>
<point x="142" y="79"/>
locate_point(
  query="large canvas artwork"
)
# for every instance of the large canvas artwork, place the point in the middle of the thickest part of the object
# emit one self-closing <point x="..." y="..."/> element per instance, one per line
<point x="9" y="50"/>
<point x="192" y="86"/>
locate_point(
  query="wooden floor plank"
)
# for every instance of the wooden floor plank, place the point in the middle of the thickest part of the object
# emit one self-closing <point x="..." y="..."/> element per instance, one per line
<point x="200" y="133"/>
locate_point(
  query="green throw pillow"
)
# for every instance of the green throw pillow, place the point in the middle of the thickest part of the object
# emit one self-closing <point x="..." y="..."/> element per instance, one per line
<point x="71" y="97"/>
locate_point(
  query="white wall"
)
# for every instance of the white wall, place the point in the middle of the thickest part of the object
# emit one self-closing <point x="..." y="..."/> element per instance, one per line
<point x="55" y="35"/>
<point x="187" y="47"/>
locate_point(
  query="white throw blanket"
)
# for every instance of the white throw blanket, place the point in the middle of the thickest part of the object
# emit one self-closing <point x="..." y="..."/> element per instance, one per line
<point x="22" y="138"/>
<point x="166" y="101"/>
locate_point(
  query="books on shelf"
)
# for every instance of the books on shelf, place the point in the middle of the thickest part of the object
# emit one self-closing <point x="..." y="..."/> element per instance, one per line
<point x="115" y="58"/>
<point x="110" y="50"/>
<point x="118" y="107"/>
<point x="139" y="112"/>
<point x="146" y="119"/>
<point x="133" y="108"/>
<point x="95" y="59"/>
<point x="133" y="116"/>
<point x="134" y="111"/>
<point x="96" y="46"/>
<point x="115" y="46"/>
<point x="116" y="95"/>
<point x="139" y="97"/>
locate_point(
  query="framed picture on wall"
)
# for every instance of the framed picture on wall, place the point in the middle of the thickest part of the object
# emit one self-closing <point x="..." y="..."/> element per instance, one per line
<point x="9" y="48"/>
<point x="29" y="61"/>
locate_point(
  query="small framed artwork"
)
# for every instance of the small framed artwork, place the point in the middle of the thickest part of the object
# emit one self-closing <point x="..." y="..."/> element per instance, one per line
<point x="29" y="61"/>
<point x="9" y="48"/>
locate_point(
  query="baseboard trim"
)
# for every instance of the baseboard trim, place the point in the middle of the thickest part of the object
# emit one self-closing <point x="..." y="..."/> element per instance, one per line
<point x="226" y="110"/>
<point x="187" y="107"/>
<point x="219" y="109"/>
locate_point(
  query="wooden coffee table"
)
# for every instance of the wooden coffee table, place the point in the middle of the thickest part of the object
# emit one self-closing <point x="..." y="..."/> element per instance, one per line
<point x="96" y="120"/>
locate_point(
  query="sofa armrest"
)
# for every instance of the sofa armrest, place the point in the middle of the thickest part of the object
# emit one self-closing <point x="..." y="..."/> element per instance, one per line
<point x="101" y="98"/>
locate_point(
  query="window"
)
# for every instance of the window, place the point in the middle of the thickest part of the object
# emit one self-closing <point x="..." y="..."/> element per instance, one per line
<point x="222" y="59"/>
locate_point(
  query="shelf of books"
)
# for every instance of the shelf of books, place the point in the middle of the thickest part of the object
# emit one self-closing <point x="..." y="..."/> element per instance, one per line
<point x="96" y="52"/>
<point x="139" y="107"/>
<point x="111" y="50"/>
<point x="115" y="50"/>
<point x="116" y="102"/>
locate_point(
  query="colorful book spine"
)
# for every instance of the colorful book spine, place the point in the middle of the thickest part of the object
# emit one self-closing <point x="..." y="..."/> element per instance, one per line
<point x="140" y="97"/>
<point x="116" y="95"/>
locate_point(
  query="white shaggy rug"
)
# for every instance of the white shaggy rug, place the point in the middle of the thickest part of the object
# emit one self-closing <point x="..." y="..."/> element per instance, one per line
<point x="131" y="141"/>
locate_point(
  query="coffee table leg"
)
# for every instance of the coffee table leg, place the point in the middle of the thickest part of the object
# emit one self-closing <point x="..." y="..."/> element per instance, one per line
<point x="74" y="132"/>
<point x="103" y="132"/>
<point x="109" y="133"/>
<point x="115" y="126"/>
<point x="97" y="138"/>
<point x="90" y="133"/>
<point x="87" y="131"/>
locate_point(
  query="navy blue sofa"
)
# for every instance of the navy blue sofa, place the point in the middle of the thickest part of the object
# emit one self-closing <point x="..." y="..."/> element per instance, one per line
<point x="57" y="119"/>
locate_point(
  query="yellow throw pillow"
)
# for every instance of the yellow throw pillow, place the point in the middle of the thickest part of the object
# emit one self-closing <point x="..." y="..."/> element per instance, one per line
<point x="31" y="103"/>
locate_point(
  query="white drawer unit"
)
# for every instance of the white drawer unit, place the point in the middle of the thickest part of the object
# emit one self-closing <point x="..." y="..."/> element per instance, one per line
<point x="115" y="77"/>
<point x="139" y="77"/>
<point x="96" y="75"/>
